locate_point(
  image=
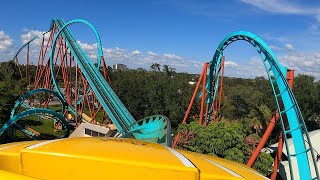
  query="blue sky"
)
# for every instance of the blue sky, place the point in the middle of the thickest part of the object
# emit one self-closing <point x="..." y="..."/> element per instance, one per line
<point x="181" y="33"/>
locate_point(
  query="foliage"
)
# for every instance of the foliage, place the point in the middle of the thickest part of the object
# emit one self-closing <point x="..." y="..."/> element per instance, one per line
<point x="263" y="163"/>
<point x="148" y="93"/>
<point x="10" y="88"/>
<point x="247" y="107"/>
<point x="307" y="93"/>
<point x="225" y="141"/>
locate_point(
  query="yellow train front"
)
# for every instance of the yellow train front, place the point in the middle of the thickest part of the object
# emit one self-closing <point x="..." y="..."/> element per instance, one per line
<point x="112" y="158"/>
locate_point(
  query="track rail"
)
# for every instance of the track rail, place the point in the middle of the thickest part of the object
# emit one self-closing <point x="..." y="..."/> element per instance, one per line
<point x="282" y="93"/>
<point x="117" y="112"/>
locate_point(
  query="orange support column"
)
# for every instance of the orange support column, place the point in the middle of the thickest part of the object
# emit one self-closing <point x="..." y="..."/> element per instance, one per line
<point x="207" y="110"/>
<point x="290" y="76"/>
<point x="195" y="92"/>
<point x="277" y="160"/>
<point x="221" y="83"/>
<point x="202" y="75"/>
<point x="264" y="139"/>
<point x="219" y="98"/>
<point x="204" y="82"/>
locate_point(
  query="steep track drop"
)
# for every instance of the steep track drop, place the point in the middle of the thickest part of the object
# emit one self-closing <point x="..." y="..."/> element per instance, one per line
<point x="153" y="128"/>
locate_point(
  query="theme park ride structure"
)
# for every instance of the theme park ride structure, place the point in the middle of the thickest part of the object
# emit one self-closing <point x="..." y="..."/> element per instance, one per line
<point x="83" y="158"/>
<point x="85" y="87"/>
<point x="288" y="111"/>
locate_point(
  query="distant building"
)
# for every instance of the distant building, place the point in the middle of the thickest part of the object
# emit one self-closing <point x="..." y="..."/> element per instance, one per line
<point x="120" y="67"/>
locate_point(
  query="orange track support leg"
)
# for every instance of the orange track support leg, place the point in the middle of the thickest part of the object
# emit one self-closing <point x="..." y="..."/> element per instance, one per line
<point x="204" y="92"/>
<point x="277" y="159"/>
<point x="264" y="139"/>
<point x="202" y="75"/>
<point x="195" y="93"/>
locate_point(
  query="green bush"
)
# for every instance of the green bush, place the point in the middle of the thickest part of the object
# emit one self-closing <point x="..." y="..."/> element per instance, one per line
<point x="223" y="140"/>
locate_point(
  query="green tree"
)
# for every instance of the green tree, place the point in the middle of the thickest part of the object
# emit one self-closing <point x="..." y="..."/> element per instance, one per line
<point x="149" y="93"/>
<point x="306" y="91"/>
<point x="168" y="70"/>
<point x="225" y="141"/>
<point x="11" y="87"/>
<point x="155" y="67"/>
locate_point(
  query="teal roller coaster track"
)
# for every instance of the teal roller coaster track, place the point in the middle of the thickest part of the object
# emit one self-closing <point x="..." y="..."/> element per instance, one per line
<point x="157" y="128"/>
<point x="282" y="93"/>
<point x="153" y="128"/>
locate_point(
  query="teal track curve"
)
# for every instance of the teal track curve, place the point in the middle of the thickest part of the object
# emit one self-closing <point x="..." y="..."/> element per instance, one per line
<point x="282" y="92"/>
<point x="35" y="111"/>
<point x="14" y="117"/>
<point x="153" y="128"/>
<point x="117" y="112"/>
<point x="21" y="100"/>
<point x="156" y="128"/>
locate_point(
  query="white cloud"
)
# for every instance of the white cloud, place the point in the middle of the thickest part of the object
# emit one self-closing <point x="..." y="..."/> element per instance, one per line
<point x="284" y="7"/>
<point x="303" y="62"/>
<point x="34" y="46"/>
<point x="172" y="56"/>
<point x="30" y="34"/>
<point x="318" y="17"/>
<point x="289" y="47"/>
<point x="300" y="62"/>
<point x="88" y="47"/>
<point x="136" y="59"/>
<point x="275" y="6"/>
<point x="250" y="69"/>
<point x="135" y="53"/>
<point x="133" y="58"/>
<point x="274" y="48"/>
<point x="273" y="37"/>
<point x="6" y="47"/>
<point x="231" y="64"/>
<point x="152" y="53"/>
<point x="116" y="54"/>
<point x="5" y="41"/>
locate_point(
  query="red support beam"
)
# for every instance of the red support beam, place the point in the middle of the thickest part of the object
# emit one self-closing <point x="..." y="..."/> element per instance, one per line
<point x="27" y="65"/>
<point x="202" y="75"/>
<point x="264" y="139"/>
<point x="207" y="111"/>
<point x="221" y="84"/>
<point x="290" y="77"/>
<point x="195" y="93"/>
<point x="17" y="62"/>
<point x="76" y="96"/>
<point x="277" y="159"/>
<point x="204" y="92"/>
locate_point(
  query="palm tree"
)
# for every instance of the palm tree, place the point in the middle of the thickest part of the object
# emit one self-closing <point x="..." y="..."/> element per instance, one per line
<point x="168" y="70"/>
<point x="155" y="67"/>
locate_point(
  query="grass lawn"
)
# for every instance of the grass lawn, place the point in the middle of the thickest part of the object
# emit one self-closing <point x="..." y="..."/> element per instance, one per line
<point x="44" y="126"/>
